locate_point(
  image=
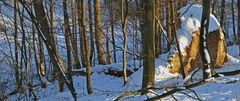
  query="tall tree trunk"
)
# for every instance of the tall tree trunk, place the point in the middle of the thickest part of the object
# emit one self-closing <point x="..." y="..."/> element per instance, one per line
<point x="233" y="22"/>
<point x="80" y="21"/>
<point x="98" y="31"/>
<point x="157" y="34"/>
<point x="51" y="30"/>
<point x="18" y="82"/>
<point x="148" y="45"/>
<point x="124" y="22"/>
<point x="74" y="36"/>
<point x="222" y="15"/>
<point x="207" y="70"/>
<point x="41" y="23"/>
<point x="36" y="57"/>
<point x="23" y="48"/>
<point x="89" y="83"/>
<point x="42" y="19"/>
<point x="238" y="3"/>
<point x="223" y="22"/>
<point x="109" y="57"/>
<point x="169" y="23"/>
<point x="91" y="30"/>
<point x="112" y="30"/>
<point x="162" y="9"/>
<point x="67" y="31"/>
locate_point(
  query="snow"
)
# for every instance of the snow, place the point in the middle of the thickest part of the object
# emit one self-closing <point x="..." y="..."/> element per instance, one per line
<point x="190" y="22"/>
<point x="106" y="87"/>
<point x="207" y="57"/>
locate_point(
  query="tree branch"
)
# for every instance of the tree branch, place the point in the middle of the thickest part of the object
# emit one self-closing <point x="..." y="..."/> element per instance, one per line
<point x="202" y="82"/>
<point x="175" y="89"/>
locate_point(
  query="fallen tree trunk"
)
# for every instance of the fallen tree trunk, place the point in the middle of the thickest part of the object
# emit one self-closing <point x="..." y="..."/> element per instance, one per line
<point x="175" y="89"/>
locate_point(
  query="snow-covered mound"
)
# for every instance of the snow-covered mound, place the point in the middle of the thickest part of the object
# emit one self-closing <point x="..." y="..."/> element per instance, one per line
<point x="190" y="19"/>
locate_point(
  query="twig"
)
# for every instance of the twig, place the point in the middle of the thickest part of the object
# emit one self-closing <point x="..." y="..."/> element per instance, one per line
<point x="187" y="87"/>
<point x="195" y="94"/>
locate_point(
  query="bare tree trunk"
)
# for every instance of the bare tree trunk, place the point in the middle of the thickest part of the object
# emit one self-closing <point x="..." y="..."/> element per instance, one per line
<point x="124" y="22"/>
<point x="157" y="34"/>
<point x="74" y="36"/>
<point x="89" y="83"/>
<point x="91" y="30"/>
<point x="148" y="45"/>
<point x="18" y="82"/>
<point x="41" y="17"/>
<point x="112" y="30"/>
<point x="80" y="21"/>
<point x="42" y="26"/>
<point x="233" y="22"/>
<point x="67" y="31"/>
<point x="222" y="15"/>
<point x="23" y="48"/>
<point x="36" y="58"/>
<point x="169" y="24"/>
<point x="51" y="30"/>
<point x="98" y="31"/>
<point x="238" y="3"/>
<point x="109" y="57"/>
<point x="162" y="9"/>
<point x="207" y="69"/>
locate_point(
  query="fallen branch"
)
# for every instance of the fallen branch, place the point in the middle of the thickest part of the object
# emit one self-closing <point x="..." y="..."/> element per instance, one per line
<point x="130" y="93"/>
<point x="175" y="89"/>
<point x="202" y="82"/>
<point x="146" y="90"/>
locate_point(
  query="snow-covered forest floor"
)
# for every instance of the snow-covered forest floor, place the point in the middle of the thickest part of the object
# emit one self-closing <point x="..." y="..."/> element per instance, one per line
<point x="106" y="87"/>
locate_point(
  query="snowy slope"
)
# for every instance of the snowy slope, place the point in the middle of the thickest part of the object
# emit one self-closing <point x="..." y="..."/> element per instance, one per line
<point x="107" y="88"/>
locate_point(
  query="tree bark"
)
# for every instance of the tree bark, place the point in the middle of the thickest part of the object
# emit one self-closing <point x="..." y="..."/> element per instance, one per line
<point x="222" y="15"/>
<point x="67" y="32"/>
<point x="42" y="27"/>
<point x="18" y="82"/>
<point x="109" y="57"/>
<point x="98" y="31"/>
<point x="91" y="30"/>
<point x="124" y="23"/>
<point x="89" y="82"/>
<point x="207" y="69"/>
<point x="238" y="3"/>
<point x="148" y="45"/>
<point x="233" y="22"/>
<point x="80" y="24"/>
<point x="112" y="30"/>
<point x="169" y="24"/>
<point x="157" y="38"/>
<point x="74" y="36"/>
